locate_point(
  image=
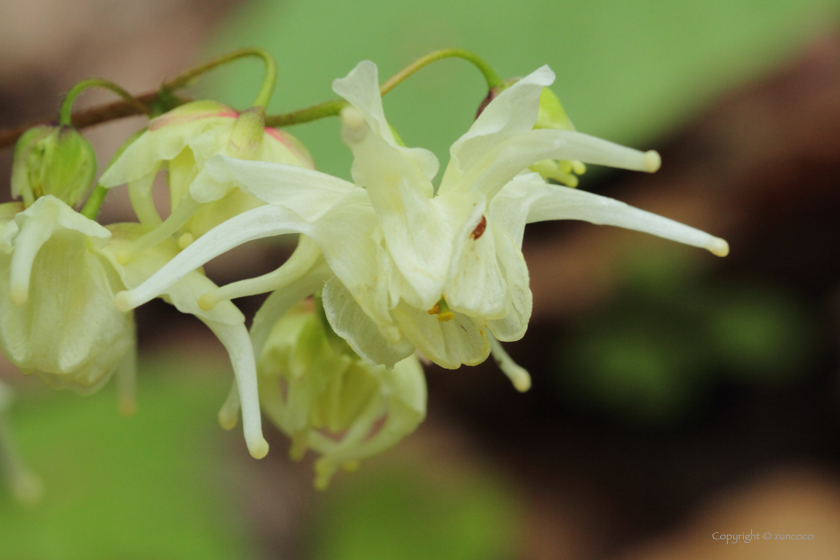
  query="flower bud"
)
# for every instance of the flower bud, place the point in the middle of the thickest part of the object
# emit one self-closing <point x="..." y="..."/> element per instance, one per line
<point x="333" y="402"/>
<point x="53" y="160"/>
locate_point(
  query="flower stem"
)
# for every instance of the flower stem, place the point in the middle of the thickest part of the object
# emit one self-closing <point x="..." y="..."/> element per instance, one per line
<point x="97" y="197"/>
<point x="270" y="79"/>
<point x="65" y="114"/>
<point x="490" y="75"/>
<point x="333" y="108"/>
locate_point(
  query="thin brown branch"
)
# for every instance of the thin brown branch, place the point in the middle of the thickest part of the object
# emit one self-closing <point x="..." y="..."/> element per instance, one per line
<point x="91" y="117"/>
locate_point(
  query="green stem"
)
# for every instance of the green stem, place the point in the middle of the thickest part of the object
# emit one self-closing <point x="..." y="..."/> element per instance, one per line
<point x="333" y="108"/>
<point x="490" y="75"/>
<point x="313" y="113"/>
<point x="94" y="202"/>
<point x="270" y="79"/>
<point x="97" y="197"/>
<point x="66" y="112"/>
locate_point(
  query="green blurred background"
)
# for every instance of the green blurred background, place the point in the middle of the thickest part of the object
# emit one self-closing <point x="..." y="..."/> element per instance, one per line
<point x="661" y="376"/>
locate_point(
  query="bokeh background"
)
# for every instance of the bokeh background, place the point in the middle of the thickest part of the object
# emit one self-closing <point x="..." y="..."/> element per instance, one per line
<point x="675" y="394"/>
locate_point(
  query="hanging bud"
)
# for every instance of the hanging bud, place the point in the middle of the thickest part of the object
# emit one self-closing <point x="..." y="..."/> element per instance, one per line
<point x="333" y="402"/>
<point x="53" y="160"/>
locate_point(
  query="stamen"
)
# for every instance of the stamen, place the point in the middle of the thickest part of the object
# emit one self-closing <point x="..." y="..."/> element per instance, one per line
<point x="441" y="309"/>
<point x="518" y="375"/>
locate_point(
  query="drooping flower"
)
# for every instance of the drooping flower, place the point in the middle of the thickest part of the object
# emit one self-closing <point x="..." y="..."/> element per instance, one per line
<point x="326" y="398"/>
<point x="55" y="286"/>
<point x="59" y="272"/>
<point x="180" y="142"/>
<point x="439" y="270"/>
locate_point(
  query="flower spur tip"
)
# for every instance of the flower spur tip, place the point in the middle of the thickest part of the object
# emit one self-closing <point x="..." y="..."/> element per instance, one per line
<point x="123" y="302"/>
<point x="521" y="382"/>
<point x="652" y="161"/>
<point x="258" y="449"/>
<point x="719" y="247"/>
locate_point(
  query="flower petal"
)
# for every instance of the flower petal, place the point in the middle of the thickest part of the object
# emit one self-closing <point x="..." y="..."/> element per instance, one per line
<point x="509" y="158"/>
<point x="417" y="229"/>
<point x="236" y="341"/>
<point x="513" y="112"/>
<point x="514" y="323"/>
<point x="309" y="193"/>
<point x="447" y="343"/>
<point x="354" y="325"/>
<point x="477" y="286"/>
<point x="361" y="88"/>
<point x="258" y="223"/>
<point x="404" y="390"/>
<point x="163" y="143"/>
<point x="282" y="300"/>
<point x="551" y="202"/>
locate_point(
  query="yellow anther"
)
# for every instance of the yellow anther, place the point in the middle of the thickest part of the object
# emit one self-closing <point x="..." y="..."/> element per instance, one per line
<point x="441" y="309"/>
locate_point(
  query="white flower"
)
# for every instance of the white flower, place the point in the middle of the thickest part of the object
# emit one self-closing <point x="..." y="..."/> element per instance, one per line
<point x="59" y="272"/>
<point x="414" y="267"/>
<point x="55" y="285"/>
<point x="329" y="400"/>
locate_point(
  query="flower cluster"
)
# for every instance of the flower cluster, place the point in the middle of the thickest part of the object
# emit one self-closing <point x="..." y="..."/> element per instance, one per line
<point x="388" y="268"/>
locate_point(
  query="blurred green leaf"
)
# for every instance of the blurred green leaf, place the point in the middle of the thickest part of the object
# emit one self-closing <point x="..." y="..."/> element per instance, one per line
<point x="761" y="334"/>
<point x="405" y="514"/>
<point x="139" y="487"/>
<point x="627" y="70"/>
